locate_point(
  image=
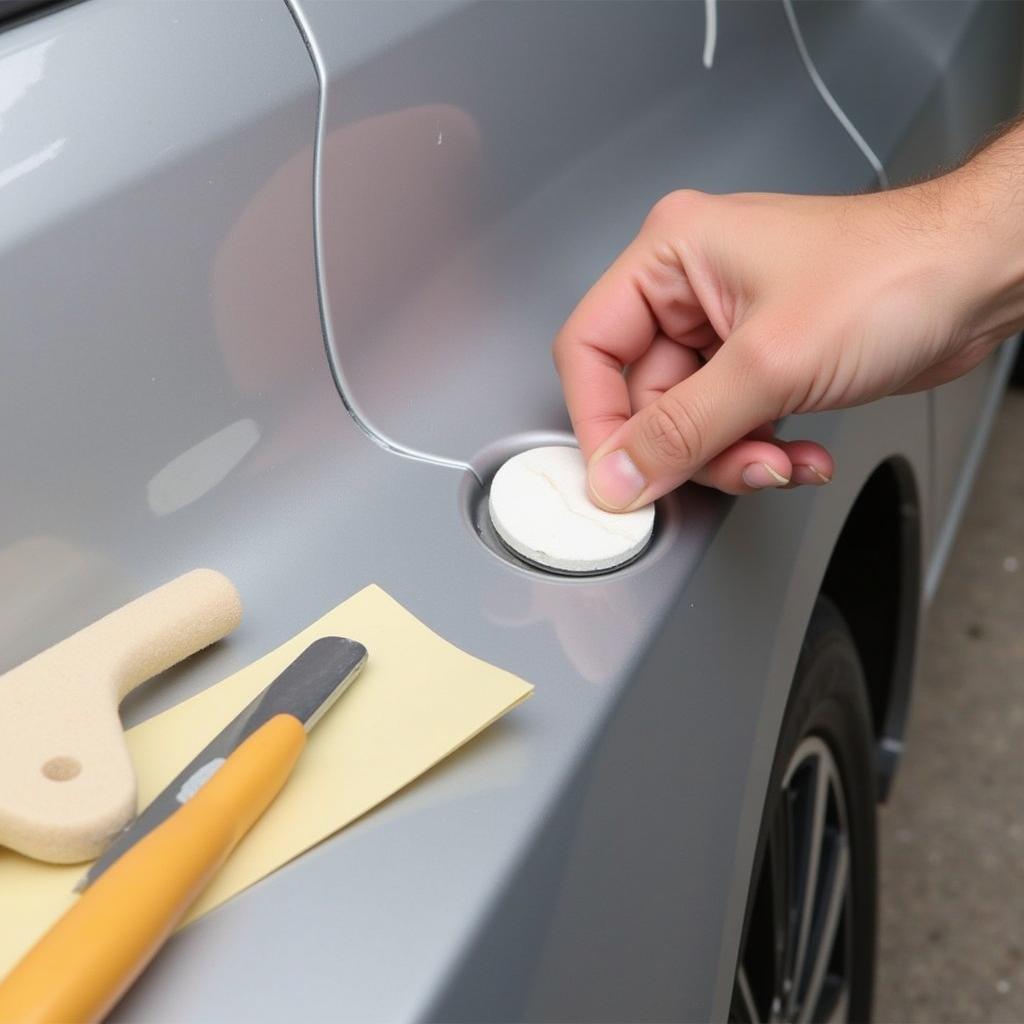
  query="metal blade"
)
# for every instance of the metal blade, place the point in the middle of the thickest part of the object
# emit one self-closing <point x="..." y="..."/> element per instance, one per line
<point x="305" y="689"/>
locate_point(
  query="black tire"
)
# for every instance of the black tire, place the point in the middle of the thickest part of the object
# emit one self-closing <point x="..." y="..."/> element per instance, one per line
<point x="1017" y="373"/>
<point x="824" y="760"/>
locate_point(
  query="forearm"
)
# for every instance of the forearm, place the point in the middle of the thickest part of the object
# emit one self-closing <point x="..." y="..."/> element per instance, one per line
<point x="986" y="196"/>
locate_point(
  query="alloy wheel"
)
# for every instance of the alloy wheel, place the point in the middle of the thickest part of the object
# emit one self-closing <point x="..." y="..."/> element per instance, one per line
<point x="795" y="958"/>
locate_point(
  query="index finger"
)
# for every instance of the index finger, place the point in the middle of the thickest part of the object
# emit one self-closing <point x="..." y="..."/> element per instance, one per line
<point x="610" y="328"/>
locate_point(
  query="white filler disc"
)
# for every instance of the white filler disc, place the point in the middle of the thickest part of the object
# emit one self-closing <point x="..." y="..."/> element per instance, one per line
<point x="540" y="509"/>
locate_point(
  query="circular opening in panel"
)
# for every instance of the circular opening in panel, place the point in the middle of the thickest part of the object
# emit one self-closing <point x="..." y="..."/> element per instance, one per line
<point x="474" y="498"/>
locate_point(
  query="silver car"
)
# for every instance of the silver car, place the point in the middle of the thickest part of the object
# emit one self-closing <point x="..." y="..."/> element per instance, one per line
<point x="278" y="282"/>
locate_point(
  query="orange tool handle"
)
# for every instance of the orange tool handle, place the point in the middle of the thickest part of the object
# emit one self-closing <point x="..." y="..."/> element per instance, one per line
<point x="86" y="961"/>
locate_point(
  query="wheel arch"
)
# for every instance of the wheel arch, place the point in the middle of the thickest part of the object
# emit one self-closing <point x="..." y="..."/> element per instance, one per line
<point x="874" y="578"/>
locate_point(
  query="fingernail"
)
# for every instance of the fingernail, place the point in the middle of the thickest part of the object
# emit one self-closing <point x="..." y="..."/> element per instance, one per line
<point x="810" y="475"/>
<point x="615" y="480"/>
<point x="760" y="474"/>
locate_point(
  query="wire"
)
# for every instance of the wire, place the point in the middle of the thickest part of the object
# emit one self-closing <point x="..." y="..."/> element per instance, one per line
<point x="830" y="100"/>
<point x="354" y="409"/>
<point x="710" y="31"/>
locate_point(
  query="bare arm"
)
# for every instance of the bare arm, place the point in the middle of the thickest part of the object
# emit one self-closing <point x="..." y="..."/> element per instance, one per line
<point x="726" y="313"/>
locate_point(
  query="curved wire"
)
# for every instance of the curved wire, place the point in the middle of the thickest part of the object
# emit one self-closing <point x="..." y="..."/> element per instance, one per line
<point x="354" y="409"/>
<point x="830" y="101"/>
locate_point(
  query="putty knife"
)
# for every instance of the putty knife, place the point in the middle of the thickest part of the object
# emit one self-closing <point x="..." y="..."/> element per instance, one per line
<point x="143" y="885"/>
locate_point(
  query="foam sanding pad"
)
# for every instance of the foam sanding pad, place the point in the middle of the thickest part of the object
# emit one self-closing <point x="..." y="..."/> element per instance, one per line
<point x="540" y="509"/>
<point x="67" y="781"/>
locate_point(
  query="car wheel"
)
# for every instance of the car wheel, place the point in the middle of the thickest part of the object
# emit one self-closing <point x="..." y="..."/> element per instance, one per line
<point x="1017" y="374"/>
<point x="807" y="946"/>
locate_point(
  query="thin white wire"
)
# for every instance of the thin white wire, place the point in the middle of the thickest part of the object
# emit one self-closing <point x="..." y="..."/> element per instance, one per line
<point x="830" y="100"/>
<point x="710" y="31"/>
<point x="348" y="399"/>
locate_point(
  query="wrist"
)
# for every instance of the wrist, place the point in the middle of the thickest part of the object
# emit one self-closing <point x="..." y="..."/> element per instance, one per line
<point x="984" y="241"/>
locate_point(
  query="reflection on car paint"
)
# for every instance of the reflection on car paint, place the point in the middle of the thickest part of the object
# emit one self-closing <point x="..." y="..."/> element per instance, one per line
<point x="195" y="472"/>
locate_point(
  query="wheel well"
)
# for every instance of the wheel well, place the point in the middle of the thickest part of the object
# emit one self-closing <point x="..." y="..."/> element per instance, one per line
<point x="873" y="577"/>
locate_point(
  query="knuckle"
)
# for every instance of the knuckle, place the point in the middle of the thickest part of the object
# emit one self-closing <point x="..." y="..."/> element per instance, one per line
<point x="675" y="208"/>
<point x="675" y="226"/>
<point x="673" y="433"/>
<point x="570" y="347"/>
<point x="671" y="207"/>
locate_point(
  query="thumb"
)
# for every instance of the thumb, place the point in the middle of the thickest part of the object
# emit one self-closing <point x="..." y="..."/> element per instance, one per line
<point x="669" y="440"/>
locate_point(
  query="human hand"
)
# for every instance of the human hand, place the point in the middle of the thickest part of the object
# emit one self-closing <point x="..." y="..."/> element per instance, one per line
<point x="728" y="313"/>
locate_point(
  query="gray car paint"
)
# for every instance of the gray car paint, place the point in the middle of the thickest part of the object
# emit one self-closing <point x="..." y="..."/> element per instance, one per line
<point x="168" y="402"/>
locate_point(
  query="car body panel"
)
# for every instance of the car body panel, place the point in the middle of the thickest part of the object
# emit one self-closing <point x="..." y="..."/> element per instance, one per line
<point x="479" y="173"/>
<point x="167" y="385"/>
<point x="135" y="206"/>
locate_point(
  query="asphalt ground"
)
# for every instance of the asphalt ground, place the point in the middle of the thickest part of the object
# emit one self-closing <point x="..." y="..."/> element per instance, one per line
<point x="951" y="937"/>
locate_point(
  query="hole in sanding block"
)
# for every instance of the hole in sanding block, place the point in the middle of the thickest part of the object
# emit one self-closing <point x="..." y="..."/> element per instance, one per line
<point x="61" y="769"/>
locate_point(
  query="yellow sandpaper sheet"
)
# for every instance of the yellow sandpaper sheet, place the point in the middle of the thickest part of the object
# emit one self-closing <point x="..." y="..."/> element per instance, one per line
<point x="417" y="700"/>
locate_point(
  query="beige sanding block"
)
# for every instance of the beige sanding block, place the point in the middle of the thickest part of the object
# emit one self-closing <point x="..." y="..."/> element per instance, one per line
<point x="66" y="779"/>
